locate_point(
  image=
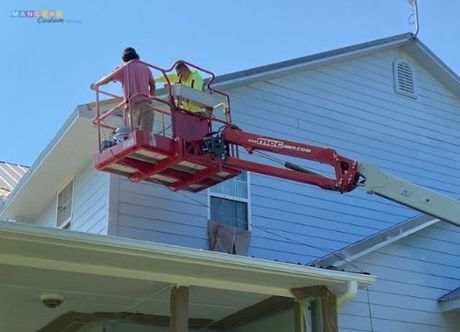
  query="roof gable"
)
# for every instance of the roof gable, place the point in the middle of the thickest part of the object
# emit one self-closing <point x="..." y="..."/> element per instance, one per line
<point x="406" y="41"/>
<point x="65" y="153"/>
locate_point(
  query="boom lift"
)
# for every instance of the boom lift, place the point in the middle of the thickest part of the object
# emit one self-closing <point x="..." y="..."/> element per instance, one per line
<point x="193" y="151"/>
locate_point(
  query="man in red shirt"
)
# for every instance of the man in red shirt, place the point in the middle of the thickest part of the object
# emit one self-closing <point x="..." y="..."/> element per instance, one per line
<point x="138" y="88"/>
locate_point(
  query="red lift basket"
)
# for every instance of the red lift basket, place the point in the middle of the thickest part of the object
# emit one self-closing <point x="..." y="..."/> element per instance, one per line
<point x="194" y="151"/>
<point x="172" y="154"/>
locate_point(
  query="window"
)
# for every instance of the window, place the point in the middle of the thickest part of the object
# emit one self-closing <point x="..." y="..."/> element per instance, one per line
<point x="404" y="78"/>
<point x="64" y="206"/>
<point x="229" y="202"/>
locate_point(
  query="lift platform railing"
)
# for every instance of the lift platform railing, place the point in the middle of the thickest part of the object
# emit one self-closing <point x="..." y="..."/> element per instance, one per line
<point x="170" y="102"/>
<point x="177" y="157"/>
<point x="125" y="105"/>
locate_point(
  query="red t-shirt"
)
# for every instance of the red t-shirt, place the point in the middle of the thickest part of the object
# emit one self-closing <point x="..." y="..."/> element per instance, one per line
<point x="135" y="79"/>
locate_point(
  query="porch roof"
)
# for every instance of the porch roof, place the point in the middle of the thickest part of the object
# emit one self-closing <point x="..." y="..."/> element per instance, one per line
<point x="98" y="273"/>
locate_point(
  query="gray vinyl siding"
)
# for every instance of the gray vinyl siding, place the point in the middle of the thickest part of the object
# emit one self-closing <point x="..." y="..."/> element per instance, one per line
<point x="411" y="275"/>
<point x="90" y="201"/>
<point x="152" y="212"/>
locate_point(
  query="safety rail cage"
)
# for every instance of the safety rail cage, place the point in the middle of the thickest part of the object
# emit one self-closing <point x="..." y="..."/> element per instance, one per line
<point x="179" y="150"/>
<point x="170" y="102"/>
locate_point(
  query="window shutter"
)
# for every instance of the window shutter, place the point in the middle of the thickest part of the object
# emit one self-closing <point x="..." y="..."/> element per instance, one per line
<point x="64" y="206"/>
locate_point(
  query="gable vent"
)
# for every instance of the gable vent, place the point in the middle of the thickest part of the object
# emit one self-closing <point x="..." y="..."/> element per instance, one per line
<point x="404" y="78"/>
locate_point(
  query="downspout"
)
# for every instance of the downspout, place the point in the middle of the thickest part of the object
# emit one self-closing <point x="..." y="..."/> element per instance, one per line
<point x="350" y="293"/>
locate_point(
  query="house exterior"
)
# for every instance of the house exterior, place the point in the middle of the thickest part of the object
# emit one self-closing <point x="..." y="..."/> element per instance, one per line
<point x="390" y="102"/>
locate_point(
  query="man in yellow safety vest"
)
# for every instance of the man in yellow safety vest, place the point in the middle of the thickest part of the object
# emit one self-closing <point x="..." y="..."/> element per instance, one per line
<point x="189" y="78"/>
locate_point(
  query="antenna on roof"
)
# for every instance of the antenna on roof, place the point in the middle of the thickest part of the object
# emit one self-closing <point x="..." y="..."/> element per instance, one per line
<point x="414" y="16"/>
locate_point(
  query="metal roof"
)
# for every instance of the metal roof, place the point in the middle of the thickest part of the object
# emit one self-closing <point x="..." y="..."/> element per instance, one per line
<point x="10" y="174"/>
<point x="375" y="241"/>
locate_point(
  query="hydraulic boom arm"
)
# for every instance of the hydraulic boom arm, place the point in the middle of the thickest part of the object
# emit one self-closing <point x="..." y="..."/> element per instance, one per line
<point x="346" y="176"/>
<point x="349" y="173"/>
<point x="416" y="197"/>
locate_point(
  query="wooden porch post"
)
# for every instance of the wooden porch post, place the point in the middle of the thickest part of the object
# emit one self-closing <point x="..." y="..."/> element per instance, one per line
<point x="178" y="321"/>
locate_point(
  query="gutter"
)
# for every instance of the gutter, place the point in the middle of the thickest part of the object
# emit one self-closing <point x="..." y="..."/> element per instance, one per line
<point x="350" y="293"/>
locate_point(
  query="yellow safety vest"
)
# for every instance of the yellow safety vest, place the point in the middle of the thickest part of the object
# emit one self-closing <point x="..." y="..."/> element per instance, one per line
<point x="194" y="81"/>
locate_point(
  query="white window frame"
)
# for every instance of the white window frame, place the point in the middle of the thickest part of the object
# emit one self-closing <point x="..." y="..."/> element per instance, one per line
<point x="235" y="198"/>
<point x="66" y="223"/>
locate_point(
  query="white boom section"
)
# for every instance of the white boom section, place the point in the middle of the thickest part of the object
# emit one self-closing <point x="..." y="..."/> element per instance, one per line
<point x="413" y="196"/>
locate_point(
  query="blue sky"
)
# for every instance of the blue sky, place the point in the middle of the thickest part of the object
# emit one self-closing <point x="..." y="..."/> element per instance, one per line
<point x="47" y="68"/>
